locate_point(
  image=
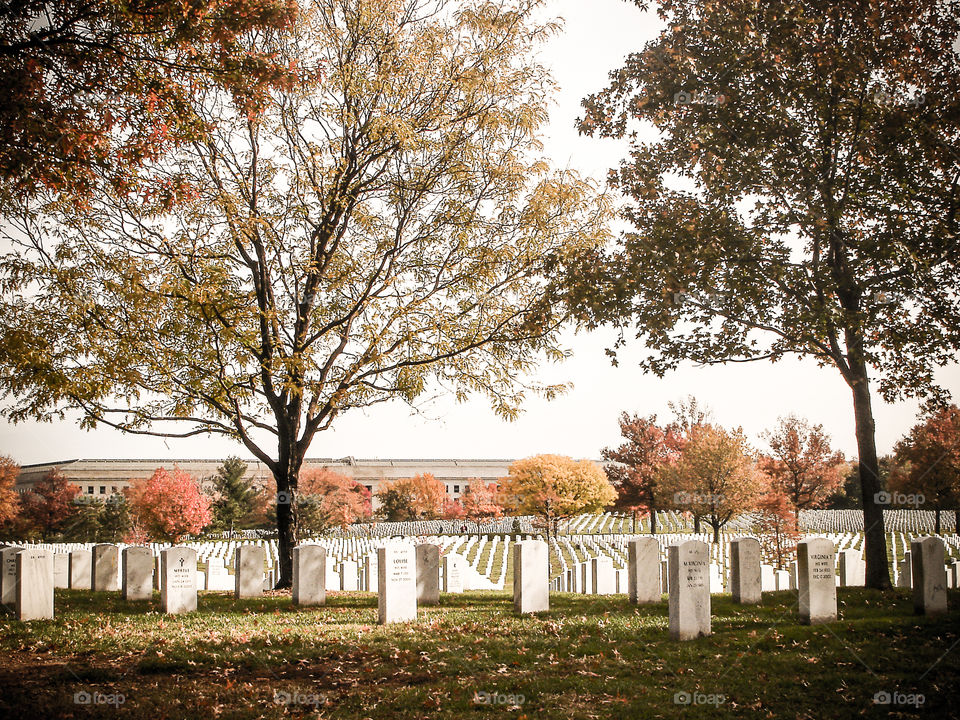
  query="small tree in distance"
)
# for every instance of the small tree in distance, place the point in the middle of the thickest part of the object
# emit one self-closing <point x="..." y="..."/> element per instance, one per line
<point x="168" y="505"/>
<point x="49" y="504"/>
<point x="716" y="477"/>
<point x="236" y="497"/>
<point x="421" y="497"/>
<point x="556" y="487"/>
<point x="9" y="500"/>
<point x="927" y="463"/>
<point x="777" y="524"/>
<point x="635" y="467"/>
<point x="480" y="501"/>
<point x="802" y="465"/>
<point x="330" y="499"/>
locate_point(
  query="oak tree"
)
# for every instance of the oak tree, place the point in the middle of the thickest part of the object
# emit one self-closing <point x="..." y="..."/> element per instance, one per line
<point x="792" y="190"/>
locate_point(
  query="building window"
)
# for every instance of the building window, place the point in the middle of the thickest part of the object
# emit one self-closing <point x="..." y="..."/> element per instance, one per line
<point x="89" y="489"/>
<point x="370" y="488"/>
<point x="103" y="489"/>
<point x="456" y="489"/>
<point x="113" y="488"/>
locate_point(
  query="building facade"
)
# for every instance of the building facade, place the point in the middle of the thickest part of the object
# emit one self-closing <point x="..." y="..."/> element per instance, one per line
<point x="102" y="478"/>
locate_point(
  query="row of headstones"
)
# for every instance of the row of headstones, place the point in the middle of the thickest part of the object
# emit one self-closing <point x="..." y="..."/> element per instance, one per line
<point x="689" y="583"/>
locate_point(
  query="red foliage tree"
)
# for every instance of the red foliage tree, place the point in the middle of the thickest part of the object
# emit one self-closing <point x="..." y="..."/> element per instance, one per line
<point x="480" y="501"/>
<point x="453" y="510"/>
<point x="634" y="468"/>
<point x="803" y="466"/>
<point x="329" y="499"/>
<point x="95" y="87"/>
<point x="927" y="462"/>
<point x="168" y="505"/>
<point x="777" y="521"/>
<point x="49" y="504"/>
<point x="9" y="501"/>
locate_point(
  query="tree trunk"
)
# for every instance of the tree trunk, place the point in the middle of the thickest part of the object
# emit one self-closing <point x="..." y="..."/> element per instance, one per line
<point x="874" y="538"/>
<point x="287" y="529"/>
<point x="716" y="534"/>
<point x="653" y="521"/>
<point x="696" y="523"/>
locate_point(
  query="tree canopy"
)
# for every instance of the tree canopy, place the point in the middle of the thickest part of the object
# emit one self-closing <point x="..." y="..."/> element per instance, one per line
<point x="92" y="90"/>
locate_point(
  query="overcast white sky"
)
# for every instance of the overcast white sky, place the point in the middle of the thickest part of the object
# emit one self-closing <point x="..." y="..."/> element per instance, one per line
<point x="598" y="35"/>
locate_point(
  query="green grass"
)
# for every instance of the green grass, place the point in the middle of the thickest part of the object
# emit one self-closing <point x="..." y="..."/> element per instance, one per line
<point x="588" y="657"/>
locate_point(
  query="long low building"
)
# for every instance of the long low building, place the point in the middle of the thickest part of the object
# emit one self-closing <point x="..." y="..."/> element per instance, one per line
<point x="105" y="477"/>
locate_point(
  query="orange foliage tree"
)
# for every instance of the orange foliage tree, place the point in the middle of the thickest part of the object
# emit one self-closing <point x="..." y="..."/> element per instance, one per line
<point x="634" y="468"/>
<point x="777" y="522"/>
<point x="716" y="477"/>
<point x="168" y="505"/>
<point x="49" y="504"/>
<point x="329" y="499"/>
<point x="421" y="497"/>
<point x="9" y="501"/>
<point x="802" y="465"/>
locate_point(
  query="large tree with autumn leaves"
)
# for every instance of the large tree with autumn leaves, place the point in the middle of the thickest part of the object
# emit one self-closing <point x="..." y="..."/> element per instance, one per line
<point x="793" y="190"/>
<point x="378" y="228"/>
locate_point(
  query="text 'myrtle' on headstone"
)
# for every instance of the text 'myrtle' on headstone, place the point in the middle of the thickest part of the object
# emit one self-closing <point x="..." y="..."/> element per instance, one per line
<point x="531" y="576"/>
<point x="689" y="593"/>
<point x="816" y="581"/>
<point x="397" y="584"/>
<point x="178" y="580"/>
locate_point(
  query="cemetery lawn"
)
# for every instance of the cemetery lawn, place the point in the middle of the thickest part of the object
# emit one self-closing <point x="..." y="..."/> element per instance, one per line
<point x="588" y="657"/>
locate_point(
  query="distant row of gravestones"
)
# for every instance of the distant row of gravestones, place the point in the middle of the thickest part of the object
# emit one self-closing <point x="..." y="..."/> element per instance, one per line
<point x="410" y="576"/>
